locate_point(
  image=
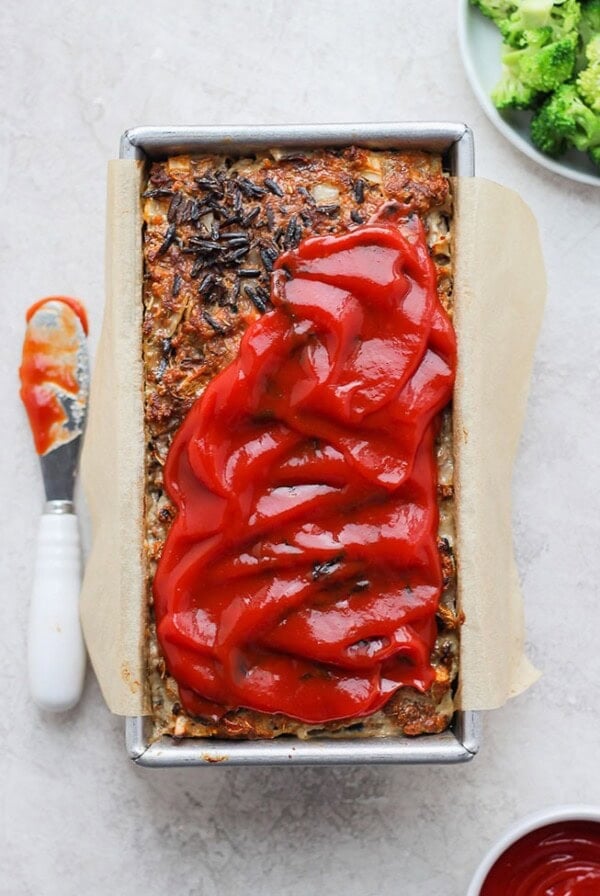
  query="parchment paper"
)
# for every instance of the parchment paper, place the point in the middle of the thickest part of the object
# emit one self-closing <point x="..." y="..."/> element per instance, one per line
<point x="112" y="464"/>
<point x="500" y="289"/>
<point x="499" y="296"/>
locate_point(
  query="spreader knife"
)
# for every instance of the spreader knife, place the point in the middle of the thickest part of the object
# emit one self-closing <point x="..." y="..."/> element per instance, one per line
<point x="54" y="377"/>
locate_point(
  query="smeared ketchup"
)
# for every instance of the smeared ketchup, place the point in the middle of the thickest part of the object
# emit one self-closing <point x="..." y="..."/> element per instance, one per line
<point x="49" y="367"/>
<point x="301" y="574"/>
<point x="561" y="859"/>
<point x="76" y="306"/>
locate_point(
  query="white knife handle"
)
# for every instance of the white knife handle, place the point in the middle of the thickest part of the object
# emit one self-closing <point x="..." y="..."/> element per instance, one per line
<point x="56" y="652"/>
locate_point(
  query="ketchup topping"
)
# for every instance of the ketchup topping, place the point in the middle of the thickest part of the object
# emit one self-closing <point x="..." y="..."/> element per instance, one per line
<point x="49" y="370"/>
<point x="561" y="859"/>
<point x="301" y="574"/>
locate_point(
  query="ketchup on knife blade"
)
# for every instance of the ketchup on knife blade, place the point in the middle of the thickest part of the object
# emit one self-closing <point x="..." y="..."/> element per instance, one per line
<point x="49" y="367"/>
<point x="560" y="859"/>
<point x="301" y="574"/>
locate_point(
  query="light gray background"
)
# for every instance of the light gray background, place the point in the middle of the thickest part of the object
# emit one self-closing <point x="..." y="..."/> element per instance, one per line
<point x="77" y="816"/>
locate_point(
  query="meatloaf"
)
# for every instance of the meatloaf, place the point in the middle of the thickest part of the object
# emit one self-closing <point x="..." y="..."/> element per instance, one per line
<point x="213" y="229"/>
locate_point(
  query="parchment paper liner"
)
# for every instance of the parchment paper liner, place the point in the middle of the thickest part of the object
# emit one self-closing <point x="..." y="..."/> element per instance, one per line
<point x="499" y="295"/>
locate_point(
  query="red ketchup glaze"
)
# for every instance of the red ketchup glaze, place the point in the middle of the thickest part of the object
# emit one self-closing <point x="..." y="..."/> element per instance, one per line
<point x="48" y="365"/>
<point x="301" y="574"/>
<point x="561" y="859"/>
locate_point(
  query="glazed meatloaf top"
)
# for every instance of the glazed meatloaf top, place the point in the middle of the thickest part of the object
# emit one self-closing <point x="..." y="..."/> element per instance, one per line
<point x="214" y="228"/>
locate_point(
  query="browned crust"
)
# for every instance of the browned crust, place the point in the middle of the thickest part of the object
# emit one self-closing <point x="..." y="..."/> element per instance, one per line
<point x="199" y="299"/>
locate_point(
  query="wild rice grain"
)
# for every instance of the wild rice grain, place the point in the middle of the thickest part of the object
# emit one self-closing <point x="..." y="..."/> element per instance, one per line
<point x="273" y="186"/>
<point x="166" y="243"/>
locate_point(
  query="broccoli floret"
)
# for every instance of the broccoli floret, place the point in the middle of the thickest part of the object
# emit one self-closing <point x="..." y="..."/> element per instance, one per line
<point x="538" y="22"/>
<point x="590" y="20"/>
<point x="552" y="126"/>
<point x="588" y="80"/>
<point x="592" y="50"/>
<point x="538" y="37"/>
<point x="588" y="84"/>
<point x="587" y="131"/>
<point x="531" y="71"/>
<point x="565" y="120"/>
<point x="546" y="68"/>
<point x="511" y="93"/>
<point x="495" y="9"/>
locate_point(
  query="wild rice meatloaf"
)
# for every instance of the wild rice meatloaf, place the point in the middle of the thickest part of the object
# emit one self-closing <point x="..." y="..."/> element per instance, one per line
<point x="214" y="227"/>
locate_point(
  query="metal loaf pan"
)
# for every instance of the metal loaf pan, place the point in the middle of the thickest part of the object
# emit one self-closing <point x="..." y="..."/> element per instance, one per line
<point x="461" y="741"/>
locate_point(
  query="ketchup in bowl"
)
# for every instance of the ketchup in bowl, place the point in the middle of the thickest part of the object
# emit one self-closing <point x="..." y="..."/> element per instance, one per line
<point x="558" y="859"/>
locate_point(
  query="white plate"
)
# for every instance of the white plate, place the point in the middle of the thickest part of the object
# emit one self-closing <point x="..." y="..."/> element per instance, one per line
<point x="480" y="42"/>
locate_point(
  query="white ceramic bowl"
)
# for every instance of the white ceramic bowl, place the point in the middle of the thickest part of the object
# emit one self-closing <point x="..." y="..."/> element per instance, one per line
<point x="480" y="43"/>
<point x="526" y="826"/>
